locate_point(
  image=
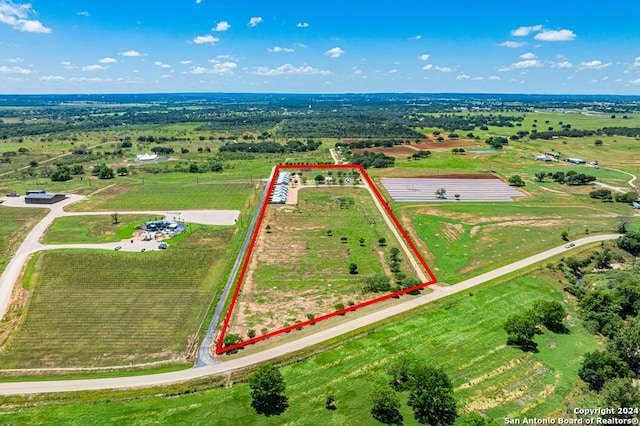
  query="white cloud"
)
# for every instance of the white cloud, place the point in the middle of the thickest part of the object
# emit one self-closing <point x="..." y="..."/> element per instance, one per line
<point x="16" y="16"/>
<point x="513" y="44"/>
<point x="186" y="62"/>
<point x="83" y="13"/>
<point x="220" y="68"/>
<point x="161" y="65"/>
<point x="15" y="60"/>
<point x="636" y="81"/>
<point x="278" y="49"/>
<point x="221" y="26"/>
<point x="529" y="63"/>
<point x="525" y="31"/>
<point x="91" y="80"/>
<point x="198" y="1"/>
<point x="14" y="70"/>
<point x="418" y="37"/>
<point x="206" y="39"/>
<point x="443" y="69"/>
<point x="494" y="77"/>
<point x="527" y="55"/>
<point x="334" y="52"/>
<point x="302" y="24"/>
<point x="108" y="60"/>
<point x="564" y="64"/>
<point x="254" y="21"/>
<point x="288" y="69"/>
<point x="51" y="78"/>
<point x="594" y="65"/>
<point x="424" y="57"/>
<point x="68" y="65"/>
<point x="392" y="71"/>
<point x="637" y="62"/>
<point x="427" y="67"/>
<point x="463" y="77"/>
<point x="94" y="68"/>
<point x="132" y="54"/>
<point x="165" y="76"/>
<point x="553" y="35"/>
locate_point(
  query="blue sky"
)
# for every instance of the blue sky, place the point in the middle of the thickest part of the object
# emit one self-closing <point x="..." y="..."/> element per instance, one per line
<point x="330" y="46"/>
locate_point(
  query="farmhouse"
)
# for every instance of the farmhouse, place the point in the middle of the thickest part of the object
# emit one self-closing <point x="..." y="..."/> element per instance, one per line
<point x="575" y="160"/>
<point x="543" y="158"/>
<point x="43" y="198"/>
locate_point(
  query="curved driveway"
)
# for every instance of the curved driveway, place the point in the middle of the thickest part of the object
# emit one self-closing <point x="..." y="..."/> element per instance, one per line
<point x="303" y="342"/>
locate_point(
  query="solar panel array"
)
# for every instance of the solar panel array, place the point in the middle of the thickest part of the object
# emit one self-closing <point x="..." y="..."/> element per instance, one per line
<point x="424" y="189"/>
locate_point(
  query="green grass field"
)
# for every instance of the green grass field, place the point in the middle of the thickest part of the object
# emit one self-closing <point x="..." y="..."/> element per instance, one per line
<point x="97" y="308"/>
<point x="300" y="269"/>
<point x="170" y="194"/>
<point x="92" y="229"/>
<point x="15" y="224"/>
<point x="461" y="334"/>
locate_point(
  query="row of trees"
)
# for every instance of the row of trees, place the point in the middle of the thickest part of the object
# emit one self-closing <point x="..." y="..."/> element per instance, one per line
<point x="376" y="160"/>
<point x="522" y="327"/>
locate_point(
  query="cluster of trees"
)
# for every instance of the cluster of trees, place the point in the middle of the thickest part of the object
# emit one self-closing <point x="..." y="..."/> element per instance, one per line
<point x="376" y="283"/>
<point x="566" y="132"/>
<point x="632" y="132"/>
<point x="102" y="171"/>
<point x="423" y="153"/>
<point x="607" y="196"/>
<point x="162" y="150"/>
<point x="497" y="142"/>
<point x="376" y="160"/>
<point x="156" y="139"/>
<point x="430" y="395"/>
<point x="271" y="147"/>
<point x="610" y="307"/>
<point x="370" y="143"/>
<point x="522" y="327"/>
<point x="570" y="178"/>
<point x="452" y="122"/>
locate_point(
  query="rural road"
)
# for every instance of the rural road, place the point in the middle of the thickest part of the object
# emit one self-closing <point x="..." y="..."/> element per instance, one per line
<point x="304" y="342"/>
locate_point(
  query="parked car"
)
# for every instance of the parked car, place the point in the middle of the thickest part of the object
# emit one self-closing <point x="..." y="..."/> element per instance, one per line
<point x="163" y="246"/>
<point x="117" y="248"/>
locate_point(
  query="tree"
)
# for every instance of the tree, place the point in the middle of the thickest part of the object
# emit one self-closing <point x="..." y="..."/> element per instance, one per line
<point x="597" y="142"/>
<point x="104" y="172"/>
<point x="598" y="367"/>
<point x="267" y="391"/>
<point x="630" y="242"/>
<point x="564" y="235"/>
<point x="61" y="174"/>
<point x="385" y="406"/>
<point x="441" y="193"/>
<point x="231" y="339"/>
<point x="377" y="283"/>
<point x="319" y="179"/>
<point x="520" y="329"/>
<point x="400" y="372"/>
<point x="122" y="171"/>
<point x="623" y="225"/>
<point x="550" y="313"/>
<point x="330" y="403"/>
<point x="516" y="180"/>
<point x="626" y="345"/>
<point x="603" y="258"/>
<point x="115" y="217"/>
<point x="353" y="269"/>
<point x="620" y="393"/>
<point x="431" y="397"/>
<point x="540" y="176"/>
<point x="382" y="242"/>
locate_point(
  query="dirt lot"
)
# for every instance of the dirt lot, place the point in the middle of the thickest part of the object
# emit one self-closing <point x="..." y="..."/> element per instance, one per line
<point x="415" y="147"/>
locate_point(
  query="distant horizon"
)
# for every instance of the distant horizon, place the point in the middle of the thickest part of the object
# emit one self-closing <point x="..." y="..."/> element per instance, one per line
<point x="207" y="46"/>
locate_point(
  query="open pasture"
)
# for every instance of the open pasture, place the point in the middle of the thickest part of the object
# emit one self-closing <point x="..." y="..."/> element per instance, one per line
<point x="168" y="194"/>
<point x="15" y="224"/>
<point x="92" y="229"/>
<point x="300" y="264"/>
<point x="101" y="308"/>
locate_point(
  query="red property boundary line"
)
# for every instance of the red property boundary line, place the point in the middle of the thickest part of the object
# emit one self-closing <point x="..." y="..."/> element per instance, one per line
<point x="219" y="345"/>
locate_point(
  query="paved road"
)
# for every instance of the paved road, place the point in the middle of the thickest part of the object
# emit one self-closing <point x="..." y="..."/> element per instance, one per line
<point x="204" y="353"/>
<point x="303" y="342"/>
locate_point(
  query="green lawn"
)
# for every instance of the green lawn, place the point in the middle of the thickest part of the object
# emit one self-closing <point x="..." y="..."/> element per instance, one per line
<point x="461" y="334"/>
<point x="97" y="308"/>
<point x="92" y="229"/>
<point x="15" y="224"/>
<point x="170" y="194"/>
